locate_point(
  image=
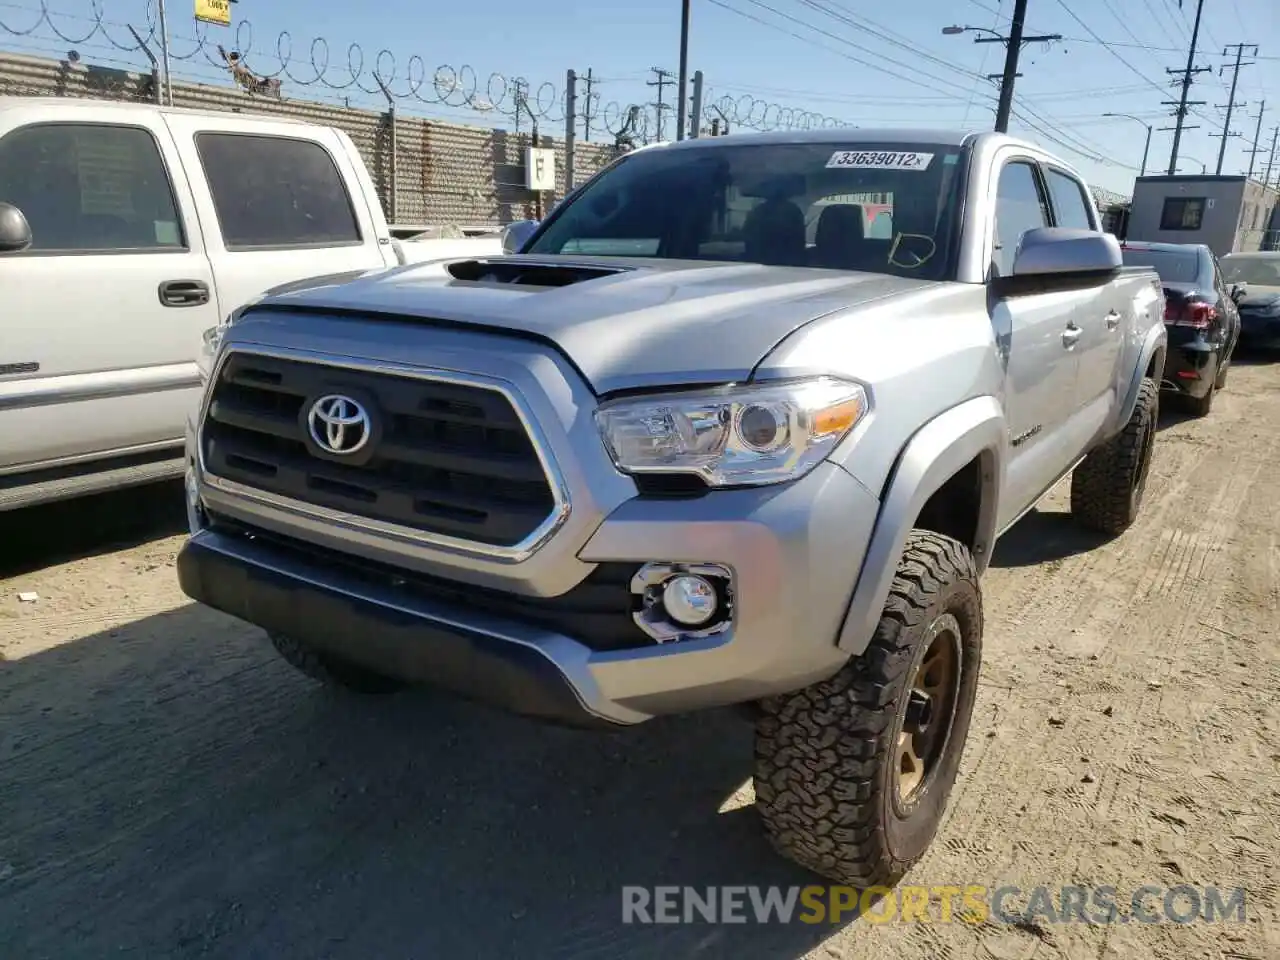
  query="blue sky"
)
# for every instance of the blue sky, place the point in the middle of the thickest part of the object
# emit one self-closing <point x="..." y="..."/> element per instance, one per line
<point x="856" y="61"/>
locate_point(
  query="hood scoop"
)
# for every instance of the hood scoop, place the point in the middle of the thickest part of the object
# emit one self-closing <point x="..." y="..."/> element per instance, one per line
<point x="519" y="272"/>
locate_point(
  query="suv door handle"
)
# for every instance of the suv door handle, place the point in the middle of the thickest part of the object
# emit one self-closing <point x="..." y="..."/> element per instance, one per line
<point x="1113" y="320"/>
<point x="184" y="293"/>
<point x="1070" y="335"/>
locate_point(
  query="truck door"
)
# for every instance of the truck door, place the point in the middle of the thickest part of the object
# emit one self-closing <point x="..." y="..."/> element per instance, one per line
<point x="100" y="318"/>
<point x="1040" y="376"/>
<point x="280" y="202"/>
<point x="1100" y="312"/>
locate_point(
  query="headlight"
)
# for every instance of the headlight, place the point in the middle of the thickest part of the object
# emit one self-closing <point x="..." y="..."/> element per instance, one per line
<point x="738" y="436"/>
<point x="210" y="341"/>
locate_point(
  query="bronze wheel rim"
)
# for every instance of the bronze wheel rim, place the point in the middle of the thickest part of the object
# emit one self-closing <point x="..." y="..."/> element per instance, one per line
<point x="929" y="712"/>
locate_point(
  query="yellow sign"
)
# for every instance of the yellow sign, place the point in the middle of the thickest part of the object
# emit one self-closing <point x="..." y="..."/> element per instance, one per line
<point x="214" y="11"/>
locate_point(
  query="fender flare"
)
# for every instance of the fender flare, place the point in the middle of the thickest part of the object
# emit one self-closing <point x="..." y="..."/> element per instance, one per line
<point x="935" y="453"/>
<point x="1157" y="339"/>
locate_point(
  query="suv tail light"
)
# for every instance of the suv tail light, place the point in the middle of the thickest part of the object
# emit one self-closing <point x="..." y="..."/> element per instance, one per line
<point x="1197" y="315"/>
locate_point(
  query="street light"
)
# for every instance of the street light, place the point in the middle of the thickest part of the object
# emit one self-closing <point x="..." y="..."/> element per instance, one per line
<point x="1147" y="148"/>
<point x="1014" y="43"/>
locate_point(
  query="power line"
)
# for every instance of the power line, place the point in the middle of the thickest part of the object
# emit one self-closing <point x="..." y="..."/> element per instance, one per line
<point x="914" y="76"/>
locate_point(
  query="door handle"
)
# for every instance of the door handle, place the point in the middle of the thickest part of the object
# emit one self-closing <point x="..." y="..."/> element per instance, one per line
<point x="1113" y="320"/>
<point x="184" y="293"/>
<point x="1070" y="335"/>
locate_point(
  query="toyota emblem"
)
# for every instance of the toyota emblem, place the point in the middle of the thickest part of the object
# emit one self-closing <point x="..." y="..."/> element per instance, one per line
<point x="339" y="424"/>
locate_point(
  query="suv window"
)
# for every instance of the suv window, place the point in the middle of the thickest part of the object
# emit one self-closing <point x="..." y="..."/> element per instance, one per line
<point x="1069" y="205"/>
<point x="90" y="187"/>
<point x="276" y="192"/>
<point x="1020" y="206"/>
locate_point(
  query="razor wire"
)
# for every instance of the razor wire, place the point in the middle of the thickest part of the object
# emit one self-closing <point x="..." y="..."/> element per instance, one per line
<point x="382" y="75"/>
<point x="759" y="115"/>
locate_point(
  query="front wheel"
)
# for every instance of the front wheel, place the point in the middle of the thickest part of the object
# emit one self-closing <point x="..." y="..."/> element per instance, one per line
<point x="853" y="773"/>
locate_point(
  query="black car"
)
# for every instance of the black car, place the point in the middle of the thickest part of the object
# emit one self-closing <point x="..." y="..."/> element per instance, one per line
<point x="1257" y="275"/>
<point x="1200" y="315"/>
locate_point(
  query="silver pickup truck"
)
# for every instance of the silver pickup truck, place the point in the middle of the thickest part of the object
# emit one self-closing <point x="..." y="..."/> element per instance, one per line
<point x="739" y="425"/>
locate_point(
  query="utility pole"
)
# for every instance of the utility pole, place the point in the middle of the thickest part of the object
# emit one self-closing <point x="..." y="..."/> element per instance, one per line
<point x="1257" y="135"/>
<point x="1183" y="103"/>
<point x="586" y="109"/>
<point x="1275" y="137"/>
<point x="682" y="108"/>
<point x="662" y="81"/>
<point x="1013" y="48"/>
<point x="1231" y="97"/>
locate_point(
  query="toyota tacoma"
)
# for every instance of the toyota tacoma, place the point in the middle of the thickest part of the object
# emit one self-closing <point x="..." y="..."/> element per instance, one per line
<point x="738" y="424"/>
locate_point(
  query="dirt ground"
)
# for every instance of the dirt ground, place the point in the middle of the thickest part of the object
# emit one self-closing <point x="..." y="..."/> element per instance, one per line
<point x="169" y="788"/>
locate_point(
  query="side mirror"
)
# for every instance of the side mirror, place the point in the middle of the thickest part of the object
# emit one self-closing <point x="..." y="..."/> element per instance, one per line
<point x="1049" y="252"/>
<point x="15" y="232"/>
<point x="515" y="235"/>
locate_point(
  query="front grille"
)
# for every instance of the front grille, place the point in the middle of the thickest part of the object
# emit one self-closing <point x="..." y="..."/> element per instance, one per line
<point x="446" y="458"/>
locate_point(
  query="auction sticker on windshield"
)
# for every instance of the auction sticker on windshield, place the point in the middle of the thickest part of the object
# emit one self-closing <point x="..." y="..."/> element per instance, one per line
<point x="879" y="160"/>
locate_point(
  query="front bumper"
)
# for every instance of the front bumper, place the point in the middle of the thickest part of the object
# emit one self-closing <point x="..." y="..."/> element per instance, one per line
<point x="1259" y="333"/>
<point x="794" y="553"/>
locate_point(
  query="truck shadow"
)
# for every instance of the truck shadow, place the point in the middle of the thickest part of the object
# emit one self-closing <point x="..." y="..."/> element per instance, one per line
<point x="1043" y="536"/>
<point x="170" y="788"/>
<point x="68" y="530"/>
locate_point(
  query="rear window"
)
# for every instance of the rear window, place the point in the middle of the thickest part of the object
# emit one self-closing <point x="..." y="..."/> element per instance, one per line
<point x="884" y="207"/>
<point x="276" y="192"/>
<point x="1172" y="266"/>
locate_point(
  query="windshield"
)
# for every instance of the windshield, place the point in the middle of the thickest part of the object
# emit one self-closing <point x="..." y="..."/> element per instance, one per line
<point x="1172" y="266"/>
<point x="884" y="207"/>
<point x="1262" y="271"/>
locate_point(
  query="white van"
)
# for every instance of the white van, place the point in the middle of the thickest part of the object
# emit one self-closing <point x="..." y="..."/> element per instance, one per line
<point x="126" y="230"/>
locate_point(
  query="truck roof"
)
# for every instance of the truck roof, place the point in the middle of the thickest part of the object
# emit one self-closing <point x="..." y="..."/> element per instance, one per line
<point x="129" y="106"/>
<point x="847" y="135"/>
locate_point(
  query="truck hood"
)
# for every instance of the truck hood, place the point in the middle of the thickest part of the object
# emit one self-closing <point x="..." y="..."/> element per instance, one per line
<point x="624" y="323"/>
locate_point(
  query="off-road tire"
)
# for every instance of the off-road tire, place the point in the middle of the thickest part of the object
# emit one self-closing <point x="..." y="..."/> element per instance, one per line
<point x="826" y="756"/>
<point x="330" y="670"/>
<point x="1108" y="486"/>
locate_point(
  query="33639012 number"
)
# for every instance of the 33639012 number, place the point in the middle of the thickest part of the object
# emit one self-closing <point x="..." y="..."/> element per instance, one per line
<point x="879" y="160"/>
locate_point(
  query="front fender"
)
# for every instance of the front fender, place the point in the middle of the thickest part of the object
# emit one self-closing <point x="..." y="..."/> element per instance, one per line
<point x="937" y="451"/>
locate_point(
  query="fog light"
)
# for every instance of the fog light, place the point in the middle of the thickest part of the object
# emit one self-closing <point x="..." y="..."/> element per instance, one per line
<point x="682" y="601"/>
<point x="689" y="600"/>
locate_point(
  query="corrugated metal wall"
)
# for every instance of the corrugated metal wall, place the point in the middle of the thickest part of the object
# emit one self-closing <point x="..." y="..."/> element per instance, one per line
<point x="445" y="172"/>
